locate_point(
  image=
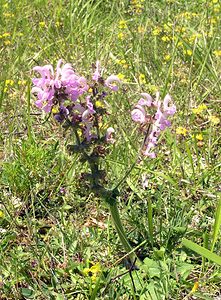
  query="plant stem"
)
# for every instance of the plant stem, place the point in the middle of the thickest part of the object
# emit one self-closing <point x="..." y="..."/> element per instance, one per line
<point x="120" y="230"/>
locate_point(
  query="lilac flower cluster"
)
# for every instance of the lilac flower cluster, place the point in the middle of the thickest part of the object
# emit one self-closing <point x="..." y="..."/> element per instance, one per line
<point x="72" y="98"/>
<point x="152" y="115"/>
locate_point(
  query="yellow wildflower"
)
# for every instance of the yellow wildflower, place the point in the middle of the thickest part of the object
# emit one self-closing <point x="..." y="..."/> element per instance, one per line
<point x="188" y="52"/>
<point x="2" y="214"/>
<point x="79" y="131"/>
<point x="180" y="44"/>
<point x="198" y="110"/>
<point x="156" y="31"/>
<point x="167" y="27"/>
<point x="194" y="36"/>
<point x="167" y="57"/>
<point x="188" y="15"/>
<point x="42" y="24"/>
<point x="152" y="88"/>
<point x="121" y="76"/>
<point x="93" y="271"/>
<point x="122" y="62"/>
<point x="7" y="42"/>
<point x="217" y="52"/>
<point x="182" y="29"/>
<point x="57" y="24"/>
<point x="8" y="15"/>
<point x="165" y="38"/>
<point x="137" y="7"/>
<point x="142" y="78"/>
<point x="195" y="287"/>
<point x="214" y="120"/>
<point x="9" y="82"/>
<point x="213" y="20"/>
<point x="141" y="29"/>
<point x="182" y="131"/>
<point x="122" y="24"/>
<point x="98" y="104"/>
<point x="121" y="35"/>
<point x="216" y="9"/>
<point x="55" y="110"/>
<point x="22" y="82"/>
<point x="199" y="137"/>
<point x="6" y="34"/>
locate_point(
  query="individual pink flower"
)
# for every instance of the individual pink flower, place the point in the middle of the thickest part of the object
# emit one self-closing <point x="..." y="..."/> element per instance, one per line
<point x="111" y="82"/>
<point x="109" y="135"/>
<point x="169" y="110"/>
<point x="146" y="100"/>
<point x="138" y="114"/>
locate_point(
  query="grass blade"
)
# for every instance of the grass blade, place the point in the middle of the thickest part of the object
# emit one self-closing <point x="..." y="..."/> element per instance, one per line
<point x="202" y="251"/>
<point x="217" y="224"/>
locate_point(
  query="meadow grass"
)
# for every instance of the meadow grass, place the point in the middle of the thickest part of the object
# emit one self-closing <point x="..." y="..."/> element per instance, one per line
<point x="56" y="238"/>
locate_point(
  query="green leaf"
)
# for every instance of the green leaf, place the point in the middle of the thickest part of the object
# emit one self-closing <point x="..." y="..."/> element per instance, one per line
<point x="27" y="293"/>
<point x="202" y="251"/>
<point x="159" y="253"/>
<point x="184" y="269"/>
<point x="151" y="267"/>
<point x="67" y="207"/>
<point x="217" y="224"/>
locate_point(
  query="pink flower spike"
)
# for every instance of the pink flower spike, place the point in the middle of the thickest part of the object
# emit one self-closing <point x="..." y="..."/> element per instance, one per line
<point x="109" y="80"/>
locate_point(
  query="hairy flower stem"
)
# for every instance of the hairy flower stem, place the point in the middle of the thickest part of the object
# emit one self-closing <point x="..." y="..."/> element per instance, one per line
<point x="110" y="197"/>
